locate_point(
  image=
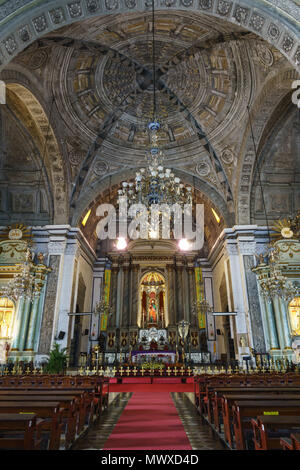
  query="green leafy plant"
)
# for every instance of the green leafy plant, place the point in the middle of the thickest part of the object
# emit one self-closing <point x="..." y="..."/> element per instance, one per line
<point x="57" y="361"/>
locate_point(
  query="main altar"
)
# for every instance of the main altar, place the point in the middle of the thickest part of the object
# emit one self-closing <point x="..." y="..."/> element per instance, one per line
<point x="153" y="347"/>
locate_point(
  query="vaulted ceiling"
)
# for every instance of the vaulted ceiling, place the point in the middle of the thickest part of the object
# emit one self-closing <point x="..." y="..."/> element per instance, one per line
<point x="94" y="79"/>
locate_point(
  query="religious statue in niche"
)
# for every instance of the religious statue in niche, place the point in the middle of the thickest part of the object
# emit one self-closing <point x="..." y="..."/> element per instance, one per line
<point x="6" y="317"/>
<point x="294" y="311"/>
<point x="152" y="297"/>
<point x="152" y="312"/>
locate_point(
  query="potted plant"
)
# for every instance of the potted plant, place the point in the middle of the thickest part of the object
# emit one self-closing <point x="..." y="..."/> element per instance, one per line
<point x="57" y="362"/>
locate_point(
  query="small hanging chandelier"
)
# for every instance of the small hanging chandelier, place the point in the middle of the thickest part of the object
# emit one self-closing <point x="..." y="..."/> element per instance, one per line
<point x="274" y="284"/>
<point x="103" y="308"/>
<point x="201" y="306"/>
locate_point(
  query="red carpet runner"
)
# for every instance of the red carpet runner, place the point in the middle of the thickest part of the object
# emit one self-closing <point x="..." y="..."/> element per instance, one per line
<point x="149" y="421"/>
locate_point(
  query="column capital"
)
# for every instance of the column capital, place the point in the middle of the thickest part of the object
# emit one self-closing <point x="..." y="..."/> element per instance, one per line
<point x="56" y="247"/>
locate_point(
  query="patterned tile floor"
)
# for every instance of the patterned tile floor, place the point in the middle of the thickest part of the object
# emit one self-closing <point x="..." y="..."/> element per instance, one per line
<point x="97" y="435"/>
<point x="200" y="434"/>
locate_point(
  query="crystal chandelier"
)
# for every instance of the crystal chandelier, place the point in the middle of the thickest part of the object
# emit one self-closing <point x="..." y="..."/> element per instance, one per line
<point x="154" y="184"/>
<point x="24" y="284"/>
<point x="274" y="284"/>
<point x="201" y="306"/>
<point x="103" y="308"/>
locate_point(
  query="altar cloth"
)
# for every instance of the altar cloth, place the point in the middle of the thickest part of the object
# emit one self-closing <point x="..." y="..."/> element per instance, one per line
<point x="148" y="355"/>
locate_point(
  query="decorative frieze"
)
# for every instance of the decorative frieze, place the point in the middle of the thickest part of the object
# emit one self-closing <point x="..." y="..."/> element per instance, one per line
<point x="10" y="45"/>
<point x="287" y="43"/>
<point x="92" y="6"/>
<point x="112" y="4"/>
<point x="241" y="14"/>
<point x="257" y="22"/>
<point x="224" y="7"/>
<point x="40" y="23"/>
<point x="130" y="4"/>
<point x="232" y="248"/>
<point x="273" y="32"/>
<point x="24" y="34"/>
<point x="57" y="15"/>
<point x="247" y="248"/>
<point x="56" y="247"/>
<point x="205" y="4"/>
<point x="75" y="9"/>
<point x="187" y="3"/>
<point x="297" y="56"/>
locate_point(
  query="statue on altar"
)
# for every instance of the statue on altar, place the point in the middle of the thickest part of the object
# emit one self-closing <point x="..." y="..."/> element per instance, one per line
<point x="152" y="312"/>
<point x="152" y="297"/>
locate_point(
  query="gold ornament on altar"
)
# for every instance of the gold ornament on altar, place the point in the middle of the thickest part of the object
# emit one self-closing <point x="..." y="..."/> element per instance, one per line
<point x="26" y="278"/>
<point x="287" y="228"/>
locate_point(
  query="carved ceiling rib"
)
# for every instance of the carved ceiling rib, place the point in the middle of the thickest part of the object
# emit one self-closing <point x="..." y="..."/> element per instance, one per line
<point x="144" y="81"/>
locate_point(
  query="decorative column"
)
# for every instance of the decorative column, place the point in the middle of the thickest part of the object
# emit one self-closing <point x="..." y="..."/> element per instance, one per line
<point x="192" y="294"/>
<point x="24" y="324"/>
<point x="239" y="298"/>
<point x="18" y="324"/>
<point x="273" y="332"/>
<point x="65" y="300"/>
<point x="43" y="335"/>
<point x="134" y="294"/>
<point x="282" y="328"/>
<point x="179" y="290"/>
<point x="113" y="295"/>
<point x="125" y="315"/>
<point x="286" y="330"/>
<point x="273" y="337"/>
<point x="40" y="278"/>
<point x="171" y="296"/>
<point x="186" y="294"/>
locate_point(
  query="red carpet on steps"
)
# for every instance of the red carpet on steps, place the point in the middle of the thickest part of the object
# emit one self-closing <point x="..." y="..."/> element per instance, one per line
<point x="149" y="421"/>
<point x="138" y="387"/>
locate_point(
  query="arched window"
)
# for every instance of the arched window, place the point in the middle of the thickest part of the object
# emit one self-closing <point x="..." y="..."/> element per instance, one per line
<point x="294" y="311"/>
<point x="6" y="317"/>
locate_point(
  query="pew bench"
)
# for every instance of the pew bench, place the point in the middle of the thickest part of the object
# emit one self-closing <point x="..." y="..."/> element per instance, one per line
<point x="291" y="443"/>
<point x="49" y="411"/>
<point x="244" y="411"/>
<point x="222" y="406"/>
<point x="269" y="430"/>
<point x="20" y="432"/>
<point x="214" y="397"/>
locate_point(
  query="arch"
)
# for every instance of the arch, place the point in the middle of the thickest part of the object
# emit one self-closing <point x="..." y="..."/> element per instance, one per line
<point x="276" y="21"/>
<point x="41" y="131"/>
<point x="270" y="97"/>
<point x="110" y="183"/>
<point x="156" y="315"/>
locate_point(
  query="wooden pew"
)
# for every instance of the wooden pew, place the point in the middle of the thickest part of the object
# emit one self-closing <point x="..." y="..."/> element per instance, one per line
<point x="89" y="404"/>
<point x="69" y="405"/>
<point x="19" y="432"/>
<point x="228" y="401"/>
<point x="295" y="437"/>
<point x="268" y="430"/>
<point x="215" y="399"/>
<point x="244" y="411"/>
<point x="48" y="411"/>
